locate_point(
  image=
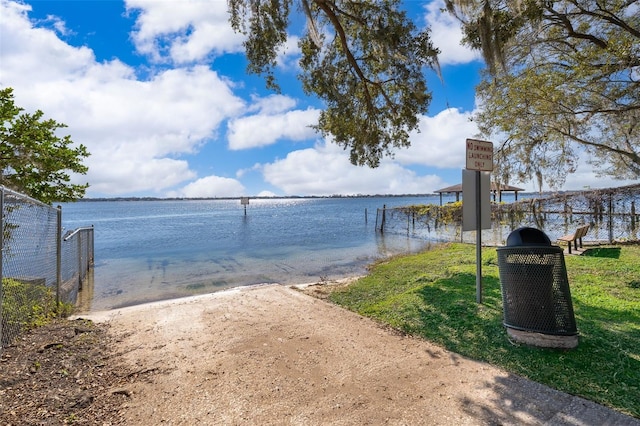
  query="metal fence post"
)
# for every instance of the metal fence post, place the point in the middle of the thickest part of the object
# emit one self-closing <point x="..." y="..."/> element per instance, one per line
<point x="1" y="259"/>
<point x="79" y="237"/>
<point x="91" y="248"/>
<point x="58" y="255"/>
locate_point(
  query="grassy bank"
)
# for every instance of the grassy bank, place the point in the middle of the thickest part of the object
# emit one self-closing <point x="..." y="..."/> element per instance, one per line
<point x="433" y="295"/>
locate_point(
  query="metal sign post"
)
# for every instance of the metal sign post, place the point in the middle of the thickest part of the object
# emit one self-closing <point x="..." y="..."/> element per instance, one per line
<point x="478" y="239"/>
<point x="244" y="201"/>
<point x="476" y="185"/>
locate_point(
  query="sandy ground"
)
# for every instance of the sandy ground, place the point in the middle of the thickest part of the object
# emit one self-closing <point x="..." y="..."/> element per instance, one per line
<point x="274" y="355"/>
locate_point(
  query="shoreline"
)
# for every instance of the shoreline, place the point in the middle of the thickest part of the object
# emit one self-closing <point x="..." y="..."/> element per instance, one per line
<point x="159" y="304"/>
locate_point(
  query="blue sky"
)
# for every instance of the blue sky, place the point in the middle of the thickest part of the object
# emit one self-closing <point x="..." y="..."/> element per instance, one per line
<point x="157" y="91"/>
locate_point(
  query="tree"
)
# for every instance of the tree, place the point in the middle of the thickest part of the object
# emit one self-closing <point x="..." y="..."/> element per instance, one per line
<point x="365" y="60"/>
<point x="33" y="160"/>
<point x="563" y="81"/>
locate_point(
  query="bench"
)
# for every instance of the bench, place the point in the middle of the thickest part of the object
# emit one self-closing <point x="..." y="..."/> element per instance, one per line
<point x="576" y="237"/>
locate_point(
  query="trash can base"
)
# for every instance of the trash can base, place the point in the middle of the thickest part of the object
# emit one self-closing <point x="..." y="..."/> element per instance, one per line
<point x="543" y="340"/>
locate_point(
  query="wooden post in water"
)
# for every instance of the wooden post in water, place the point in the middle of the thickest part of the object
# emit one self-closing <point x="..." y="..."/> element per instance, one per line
<point x="384" y="212"/>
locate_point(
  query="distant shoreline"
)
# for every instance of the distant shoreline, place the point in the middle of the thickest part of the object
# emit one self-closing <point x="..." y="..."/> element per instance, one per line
<point x="283" y="197"/>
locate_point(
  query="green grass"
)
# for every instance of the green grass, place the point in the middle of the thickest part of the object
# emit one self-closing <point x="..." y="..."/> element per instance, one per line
<point x="433" y="295"/>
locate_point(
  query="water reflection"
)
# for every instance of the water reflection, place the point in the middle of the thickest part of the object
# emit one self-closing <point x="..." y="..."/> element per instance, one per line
<point x="156" y="250"/>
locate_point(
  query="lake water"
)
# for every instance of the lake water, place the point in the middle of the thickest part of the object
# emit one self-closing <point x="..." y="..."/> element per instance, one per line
<point x="153" y="250"/>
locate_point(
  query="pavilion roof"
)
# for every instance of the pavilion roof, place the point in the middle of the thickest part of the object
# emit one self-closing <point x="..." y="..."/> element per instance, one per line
<point x="494" y="187"/>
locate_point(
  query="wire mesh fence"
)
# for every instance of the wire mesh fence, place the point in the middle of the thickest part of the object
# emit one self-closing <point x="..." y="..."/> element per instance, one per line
<point x="40" y="271"/>
<point x="613" y="215"/>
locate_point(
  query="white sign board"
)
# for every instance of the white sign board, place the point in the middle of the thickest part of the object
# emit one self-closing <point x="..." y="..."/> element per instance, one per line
<point x="479" y="155"/>
<point x="244" y="201"/>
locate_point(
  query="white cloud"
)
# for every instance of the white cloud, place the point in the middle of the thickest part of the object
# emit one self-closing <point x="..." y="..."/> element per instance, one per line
<point x="134" y="130"/>
<point x="211" y="186"/>
<point x="446" y="35"/>
<point x="289" y="53"/>
<point x="130" y="175"/>
<point x="25" y="49"/>
<point x="441" y="140"/>
<point x="272" y="104"/>
<point x="584" y="178"/>
<point x="187" y="31"/>
<point x="183" y="31"/>
<point x="326" y="170"/>
<point x="265" y="129"/>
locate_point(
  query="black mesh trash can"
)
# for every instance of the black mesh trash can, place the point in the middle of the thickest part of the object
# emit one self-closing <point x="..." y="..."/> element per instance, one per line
<point x="535" y="291"/>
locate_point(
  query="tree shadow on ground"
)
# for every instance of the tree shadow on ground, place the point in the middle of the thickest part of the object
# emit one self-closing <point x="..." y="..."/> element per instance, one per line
<point x="449" y="316"/>
<point x="516" y="400"/>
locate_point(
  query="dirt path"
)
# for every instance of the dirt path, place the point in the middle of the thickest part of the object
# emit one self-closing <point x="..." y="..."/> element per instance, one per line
<point x="274" y="355"/>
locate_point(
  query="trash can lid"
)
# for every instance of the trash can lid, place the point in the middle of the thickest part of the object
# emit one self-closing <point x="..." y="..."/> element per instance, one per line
<point x="527" y="236"/>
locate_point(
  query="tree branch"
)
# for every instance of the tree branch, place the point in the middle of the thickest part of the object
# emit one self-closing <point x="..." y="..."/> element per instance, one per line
<point x="634" y="157"/>
<point x="326" y="7"/>
<point x="563" y="20"/>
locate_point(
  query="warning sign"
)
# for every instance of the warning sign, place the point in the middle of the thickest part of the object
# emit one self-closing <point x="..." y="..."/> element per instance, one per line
<point x="479" y="155"/>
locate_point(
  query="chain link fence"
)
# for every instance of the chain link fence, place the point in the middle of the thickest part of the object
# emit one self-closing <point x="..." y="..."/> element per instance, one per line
<point x="41" y="271"/>
<point x="613" y="216"/>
